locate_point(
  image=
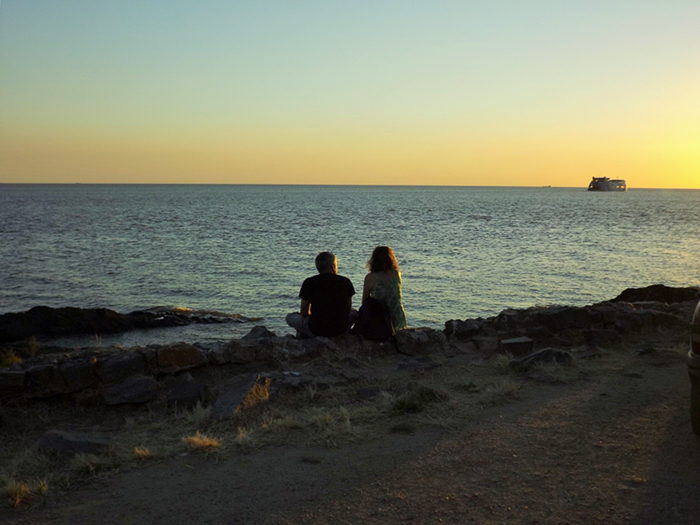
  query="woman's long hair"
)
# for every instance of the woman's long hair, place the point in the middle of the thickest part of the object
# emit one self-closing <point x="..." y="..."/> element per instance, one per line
<point x="382" y="259"/>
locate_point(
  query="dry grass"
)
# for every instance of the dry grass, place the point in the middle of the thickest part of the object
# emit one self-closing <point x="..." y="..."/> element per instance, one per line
<point x="86" y="463"/>
<point x="142" y="453"/>
<point x="8" y="358"/>
<point x="33" y="346"/>
<point x="201" y="442"/>
<point x="409" y="402"/>
<point x="196" y="416"/>
<point x="14" y="493"/>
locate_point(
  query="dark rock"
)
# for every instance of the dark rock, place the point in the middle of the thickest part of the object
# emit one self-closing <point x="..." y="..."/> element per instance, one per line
<point x="239" y="352"/>
<point x="45" y="381"/>
<point x="69" y="443"/>
<point x="464" y="348"/>
<point x="287" y="381"/>
<point x="133" y="390"/>
<point x="217" y="355"/>
<point x="660" y="293"/>
<point x="58" y="322"/>
<point x="180" y="356"/>
<point x="242" y="393"/>
<point x="258" y="334"/>
<point x="487" y="345"/>
<point x="149" y="356"/>
<point x="316" y="346"/>
<point x="508" y="319"/>
<point x="79" y="373"/>
<point x="11" y="383"/>
<point x="602" y="337"/>
<point x="418" y="341"/>
<point x="119" y="367"/>
<point x="563" y="317"/>
<point x="462" y="329"/>
<point x="416" y="364"/>
<point x="517" y="345"/>
<point x="546" y="355"/>
<point x="604" y="313"/>
<point x="183" y="391"/>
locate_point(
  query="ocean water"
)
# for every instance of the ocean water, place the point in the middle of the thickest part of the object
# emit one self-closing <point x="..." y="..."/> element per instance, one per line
<point x="464" y="251"/>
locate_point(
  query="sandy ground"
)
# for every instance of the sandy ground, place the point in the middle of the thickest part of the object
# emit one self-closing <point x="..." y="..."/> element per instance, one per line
<point x="611" y="449"/>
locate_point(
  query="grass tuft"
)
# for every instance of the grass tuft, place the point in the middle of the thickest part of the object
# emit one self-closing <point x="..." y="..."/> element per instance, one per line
<point x="197" y="415"/>
<point x="415" y="399"/>
<point x="201" y="442"/>
<point x="87" y="463"/>
<point x="15" y="493"/>
<point x="32" y="346"/>
<point x="142" y="453"/>
<point x="9" y="358"/>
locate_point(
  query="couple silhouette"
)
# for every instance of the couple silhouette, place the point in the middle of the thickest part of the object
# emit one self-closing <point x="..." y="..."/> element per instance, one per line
<point x="326" y="299"/>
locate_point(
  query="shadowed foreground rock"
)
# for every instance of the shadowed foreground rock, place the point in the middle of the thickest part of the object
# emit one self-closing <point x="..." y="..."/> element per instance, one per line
<point x="69" y="443"/>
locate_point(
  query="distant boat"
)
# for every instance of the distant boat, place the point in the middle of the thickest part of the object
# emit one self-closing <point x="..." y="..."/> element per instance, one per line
<point x="606" y="184"/>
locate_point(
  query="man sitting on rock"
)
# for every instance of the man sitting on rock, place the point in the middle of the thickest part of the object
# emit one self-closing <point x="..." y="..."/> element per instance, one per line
<point x="326" y="302"/>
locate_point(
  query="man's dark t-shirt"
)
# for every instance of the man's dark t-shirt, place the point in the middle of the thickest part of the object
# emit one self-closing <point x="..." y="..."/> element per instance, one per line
<point x="328" y="294"/>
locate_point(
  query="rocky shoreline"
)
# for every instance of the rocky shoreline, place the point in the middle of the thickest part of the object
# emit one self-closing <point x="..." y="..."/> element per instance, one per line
<point x="258" y="364"/>
<point x="46" y="322"/>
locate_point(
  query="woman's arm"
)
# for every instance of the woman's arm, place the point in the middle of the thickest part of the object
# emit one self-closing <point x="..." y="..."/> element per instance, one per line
<point x="369" y="282"/>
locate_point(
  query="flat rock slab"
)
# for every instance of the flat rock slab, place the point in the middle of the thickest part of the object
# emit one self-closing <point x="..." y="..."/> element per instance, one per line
<point x="546" y="355"/>
<point x="517" y="345"/>
<point x="134" y="390"/>
<point x="243" y="393"/>
<point x="68" y="443"/>
<point x="119" y="367"/>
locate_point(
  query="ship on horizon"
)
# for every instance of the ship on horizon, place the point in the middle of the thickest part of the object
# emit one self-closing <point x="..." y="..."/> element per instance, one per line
<point x="607" y="184"/>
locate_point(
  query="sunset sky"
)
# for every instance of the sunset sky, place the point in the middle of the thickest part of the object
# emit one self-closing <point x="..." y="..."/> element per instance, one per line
<point x="514" y="93"/>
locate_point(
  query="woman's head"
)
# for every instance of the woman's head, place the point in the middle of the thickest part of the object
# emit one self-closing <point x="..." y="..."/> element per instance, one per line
<point x="382" y="259"/>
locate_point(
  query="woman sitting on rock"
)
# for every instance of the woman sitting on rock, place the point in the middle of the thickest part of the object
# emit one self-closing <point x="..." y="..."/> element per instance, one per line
<point x="383" y="282"/>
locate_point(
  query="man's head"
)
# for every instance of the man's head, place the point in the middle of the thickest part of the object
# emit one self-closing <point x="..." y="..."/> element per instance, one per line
<point x="326" y="262"/>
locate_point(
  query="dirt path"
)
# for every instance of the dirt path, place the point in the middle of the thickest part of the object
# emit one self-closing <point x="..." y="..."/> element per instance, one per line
<point x="616" y="449"/>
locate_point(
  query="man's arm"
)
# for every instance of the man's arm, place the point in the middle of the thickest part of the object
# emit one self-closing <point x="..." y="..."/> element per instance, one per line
<point x="305" y="309"/>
